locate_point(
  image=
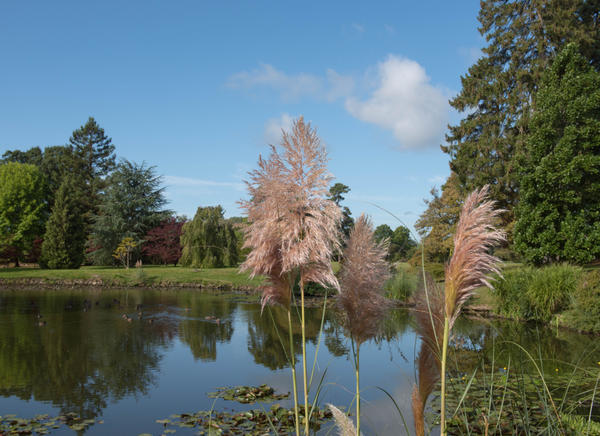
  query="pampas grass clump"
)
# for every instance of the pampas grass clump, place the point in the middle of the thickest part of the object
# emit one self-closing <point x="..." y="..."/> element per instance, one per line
<point x="293" y="227"/>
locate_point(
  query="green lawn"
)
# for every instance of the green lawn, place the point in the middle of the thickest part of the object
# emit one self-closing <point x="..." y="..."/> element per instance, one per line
<point x="148" y="275"/>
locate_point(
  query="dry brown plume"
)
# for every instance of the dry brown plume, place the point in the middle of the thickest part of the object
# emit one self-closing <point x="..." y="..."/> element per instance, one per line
<point x="293" y="226"/>
<point x="467" y="270"/>
<point x="343" y="423"/>
<point x="471" y="262"/>
<point x="363" y="274"/>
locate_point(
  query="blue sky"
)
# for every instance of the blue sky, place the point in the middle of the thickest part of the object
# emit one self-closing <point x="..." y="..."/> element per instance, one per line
<point x="199" y="89"/>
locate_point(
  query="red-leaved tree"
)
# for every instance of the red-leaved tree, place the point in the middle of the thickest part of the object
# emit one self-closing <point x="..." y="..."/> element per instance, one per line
<point x="163" y="242"/>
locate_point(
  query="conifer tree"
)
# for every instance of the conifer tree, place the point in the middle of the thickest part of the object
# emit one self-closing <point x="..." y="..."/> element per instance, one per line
<point x="131" y="206"/>
<point x="558" y="217"/>
<point x="498" y="92"/>
<point x="64" y="240"/>
<point x="94" y="160"/>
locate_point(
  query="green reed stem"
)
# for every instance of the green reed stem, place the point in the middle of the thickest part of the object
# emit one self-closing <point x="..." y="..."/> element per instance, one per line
<point x="293" y="364"/>
<point x="443" y="377"/>
<point x="358" y="390"/>
<point x="302" y="321"/>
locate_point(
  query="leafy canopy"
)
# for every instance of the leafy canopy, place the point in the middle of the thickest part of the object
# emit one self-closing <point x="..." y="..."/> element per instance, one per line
<point x="21" y="206"/>
<point x="559" y="212"/>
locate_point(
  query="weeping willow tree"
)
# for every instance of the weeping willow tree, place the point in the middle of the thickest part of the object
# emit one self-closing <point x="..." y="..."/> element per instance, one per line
<point x="209" y="240"/>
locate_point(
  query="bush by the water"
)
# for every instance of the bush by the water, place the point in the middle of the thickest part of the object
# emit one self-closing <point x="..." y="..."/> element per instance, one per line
<point x="584" y="314"/>
<point x="403" y="284"/>
<point x="537" y="294"/>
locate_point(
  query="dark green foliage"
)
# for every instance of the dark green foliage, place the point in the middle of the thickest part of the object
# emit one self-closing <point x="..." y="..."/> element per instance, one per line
<point x="33" y="156"/>
<point x="536" y="294"/>
<point x="401" y="244"/>
<point x="57" y="163"/>
<point x="64" y="240"/>
<point x="209" y="240"/>
<point x="498" y="91"/>
<point x="382" y="232"/>
<point x="558" y="217"/>
<point x="585" y="312"/>
<point x="54" y="163"/>
<point x="94" y="160"/>
<point x="336" y="194"/>
<point x="21" y="207"/>
<point x="131" y="206"/>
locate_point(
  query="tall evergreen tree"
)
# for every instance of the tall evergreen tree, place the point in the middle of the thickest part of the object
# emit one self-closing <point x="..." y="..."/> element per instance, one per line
<point x="64" y="240"/>
<point x="209" y="241"/>
<point x="131" y="206"/>
<point x="559" y="210"/>
<point x="94" y="160"/>
<point x="499" y="89"/>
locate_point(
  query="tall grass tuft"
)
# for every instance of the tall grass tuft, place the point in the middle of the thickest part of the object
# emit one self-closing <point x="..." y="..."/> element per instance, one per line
<point x="364" y="271"/>
<point x="402" y="285"/>
<point x="293" y="227"/>
<point x="468" y="267"/>
<point x="538" y="294"/>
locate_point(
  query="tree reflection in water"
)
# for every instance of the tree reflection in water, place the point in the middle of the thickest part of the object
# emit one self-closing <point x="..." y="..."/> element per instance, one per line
<point x="86" y="355"/>
<point x="76" y="356"/>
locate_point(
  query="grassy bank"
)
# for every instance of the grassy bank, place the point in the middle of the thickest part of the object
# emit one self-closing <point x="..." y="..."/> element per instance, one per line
<point x="162" y="276"/>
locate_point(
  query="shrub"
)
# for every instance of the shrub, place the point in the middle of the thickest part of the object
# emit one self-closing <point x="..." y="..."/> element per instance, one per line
<point x="510" y="292"/>
<point x="537" y="294"/>
<point x="550" y="290"/>
<point x="402" y="285"/>
<point x="584" y="314"/>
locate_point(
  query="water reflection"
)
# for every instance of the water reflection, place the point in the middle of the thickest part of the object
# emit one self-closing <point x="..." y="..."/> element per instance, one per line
<point x="83" y="351"/>
<point x="52" y="350"/>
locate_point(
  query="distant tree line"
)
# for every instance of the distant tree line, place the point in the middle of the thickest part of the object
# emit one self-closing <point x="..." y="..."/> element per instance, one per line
<point x="530" y="130"/>
<point x="73" y="204"/>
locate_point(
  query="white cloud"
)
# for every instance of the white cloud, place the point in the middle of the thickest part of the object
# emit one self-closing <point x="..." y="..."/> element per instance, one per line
<point x="402" y="98"/>
<point x="294" y="86"/>
<point x="358" y="27"/>
<point x="405" y="102"/>
<point x="274" y="126"/>
<point x="189" y="182"/>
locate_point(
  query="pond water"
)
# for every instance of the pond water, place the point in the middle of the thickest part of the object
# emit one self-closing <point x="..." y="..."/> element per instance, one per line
<point x="129" y="357"/>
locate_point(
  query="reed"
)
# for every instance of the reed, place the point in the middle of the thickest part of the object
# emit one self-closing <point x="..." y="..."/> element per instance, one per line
<point x="364" y="272"/>
<point x="467" y="270"/>
<point x="293" y="227"/>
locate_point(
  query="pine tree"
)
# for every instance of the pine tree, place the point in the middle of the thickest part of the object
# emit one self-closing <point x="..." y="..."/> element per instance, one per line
<point x="94" y="160"/>
<point x="64" y="240"/>
<point x="499" y="89"/>
<point x="559" y="211"/>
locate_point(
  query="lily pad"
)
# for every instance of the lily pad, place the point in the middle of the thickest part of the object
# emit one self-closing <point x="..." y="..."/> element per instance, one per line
<point x="248" y="394"/>
<point x="250" y="422"/>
